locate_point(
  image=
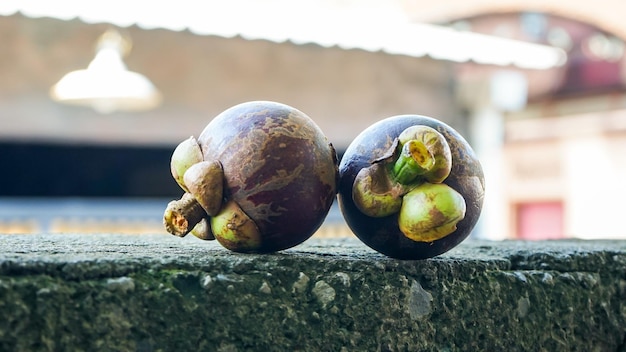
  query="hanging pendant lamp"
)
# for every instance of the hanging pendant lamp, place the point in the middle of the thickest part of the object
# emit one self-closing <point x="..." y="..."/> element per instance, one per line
<point x="107" y="85"/>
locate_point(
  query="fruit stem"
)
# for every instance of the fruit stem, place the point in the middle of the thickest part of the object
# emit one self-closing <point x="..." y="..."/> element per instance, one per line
<point x="414" y="160"/>
<point x="182" y="215"/>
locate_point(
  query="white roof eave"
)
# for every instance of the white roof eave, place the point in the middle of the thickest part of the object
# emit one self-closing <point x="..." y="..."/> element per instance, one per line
<point x="277" y="21"/>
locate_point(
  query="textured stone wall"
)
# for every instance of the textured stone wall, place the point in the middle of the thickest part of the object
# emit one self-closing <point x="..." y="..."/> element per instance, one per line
<point x="160" y="293"/>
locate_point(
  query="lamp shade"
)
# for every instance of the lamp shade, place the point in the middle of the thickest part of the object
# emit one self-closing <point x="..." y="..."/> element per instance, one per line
<point x="107" y="85"/>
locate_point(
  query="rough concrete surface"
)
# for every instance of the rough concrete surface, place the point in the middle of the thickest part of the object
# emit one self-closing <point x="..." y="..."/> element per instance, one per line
<point x="161" y="293"/>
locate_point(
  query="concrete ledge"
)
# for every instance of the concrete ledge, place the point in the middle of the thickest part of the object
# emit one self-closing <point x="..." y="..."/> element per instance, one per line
<point x="152" y="293"/>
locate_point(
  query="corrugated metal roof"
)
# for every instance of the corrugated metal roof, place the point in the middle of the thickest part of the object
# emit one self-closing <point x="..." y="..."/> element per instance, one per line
<point x="368" y="25"/>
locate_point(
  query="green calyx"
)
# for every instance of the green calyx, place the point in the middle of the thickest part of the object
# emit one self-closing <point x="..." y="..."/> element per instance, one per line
<point x="203" y="231"/>
<point x="186" y="154"/>
<point x="202" y="182"/>
<point x="430" y="212"/>
<point x="205" y="180"/>
<point x="408" y="180"/>
<point x="201" y="210"/>
<point x="375" y="194"/>
<point x="235" y="230"/>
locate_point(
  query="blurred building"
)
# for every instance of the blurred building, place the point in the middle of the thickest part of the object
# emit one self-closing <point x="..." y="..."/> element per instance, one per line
<point x="555" y="163"/>
<point x="199" y="76"/>
<point x="551" y="141"/>
<point x="59" y="151"/>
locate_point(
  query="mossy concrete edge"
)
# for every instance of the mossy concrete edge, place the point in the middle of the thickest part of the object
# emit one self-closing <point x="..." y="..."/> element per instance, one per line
<point x="160" y="293"/>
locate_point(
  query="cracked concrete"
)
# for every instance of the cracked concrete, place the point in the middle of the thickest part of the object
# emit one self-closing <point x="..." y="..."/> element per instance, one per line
<point x="158" y="292"/>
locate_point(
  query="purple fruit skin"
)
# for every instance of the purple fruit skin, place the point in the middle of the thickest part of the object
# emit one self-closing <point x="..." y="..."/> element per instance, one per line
<point x="278" y="166"/>
<point x="383" y="234"/>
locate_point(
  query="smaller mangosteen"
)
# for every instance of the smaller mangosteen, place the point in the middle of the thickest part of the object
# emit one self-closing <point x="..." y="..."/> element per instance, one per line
<point x="410" y="187"/>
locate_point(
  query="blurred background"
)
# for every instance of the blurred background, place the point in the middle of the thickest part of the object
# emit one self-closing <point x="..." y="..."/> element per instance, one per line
<point x="95" y="96"/>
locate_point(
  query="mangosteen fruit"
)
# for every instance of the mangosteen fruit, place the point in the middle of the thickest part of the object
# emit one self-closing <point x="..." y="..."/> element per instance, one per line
<point x="260" y="178"/>
<point x="410" y="187"/>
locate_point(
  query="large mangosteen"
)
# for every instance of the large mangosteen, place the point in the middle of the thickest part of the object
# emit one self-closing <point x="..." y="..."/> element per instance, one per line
<point x="260" y="178"/>
<point x="410" y="187"/>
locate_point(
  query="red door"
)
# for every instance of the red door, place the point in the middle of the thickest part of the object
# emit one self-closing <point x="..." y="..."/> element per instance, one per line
<point x="540" y="221"/>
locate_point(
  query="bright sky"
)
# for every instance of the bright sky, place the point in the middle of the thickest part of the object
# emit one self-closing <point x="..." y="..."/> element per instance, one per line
<point x="373" y="25"/>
